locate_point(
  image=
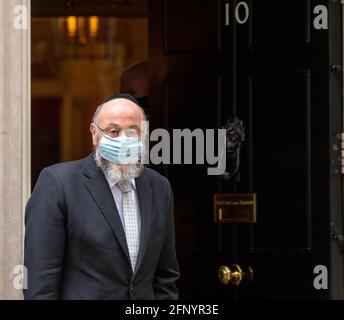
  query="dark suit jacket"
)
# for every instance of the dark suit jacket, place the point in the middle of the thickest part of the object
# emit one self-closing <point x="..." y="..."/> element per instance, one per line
<point x="75" y="246"/>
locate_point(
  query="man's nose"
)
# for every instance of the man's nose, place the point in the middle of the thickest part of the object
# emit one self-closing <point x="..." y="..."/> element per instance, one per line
<point x="122" y="133"/>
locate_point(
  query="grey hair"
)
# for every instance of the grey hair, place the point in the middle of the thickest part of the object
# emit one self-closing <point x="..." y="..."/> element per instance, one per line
<point x="95" y="115"/>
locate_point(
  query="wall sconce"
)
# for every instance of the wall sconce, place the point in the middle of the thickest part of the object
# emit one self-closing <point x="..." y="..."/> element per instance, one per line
<point x="82" y="28"/>
<point x="79" y="37"/>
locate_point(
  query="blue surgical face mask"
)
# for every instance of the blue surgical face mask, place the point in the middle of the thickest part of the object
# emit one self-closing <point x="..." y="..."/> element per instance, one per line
<point x="120" y="150"/>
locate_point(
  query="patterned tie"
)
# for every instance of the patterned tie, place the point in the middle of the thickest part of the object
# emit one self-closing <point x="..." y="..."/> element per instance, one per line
<point x="130" y="221"/>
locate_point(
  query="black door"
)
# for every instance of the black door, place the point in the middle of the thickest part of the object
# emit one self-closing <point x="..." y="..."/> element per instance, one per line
<point x="283" y="96"/>
<point x="268" y="64"/>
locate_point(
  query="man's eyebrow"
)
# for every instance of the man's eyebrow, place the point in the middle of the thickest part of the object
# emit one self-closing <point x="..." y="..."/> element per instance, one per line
<point x="112" y="125"/>
<point x="116" y="126"/>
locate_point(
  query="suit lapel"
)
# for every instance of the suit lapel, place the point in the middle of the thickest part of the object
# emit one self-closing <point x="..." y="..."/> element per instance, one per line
<point x="101" y="193"/>
<point x="144" y="192"/>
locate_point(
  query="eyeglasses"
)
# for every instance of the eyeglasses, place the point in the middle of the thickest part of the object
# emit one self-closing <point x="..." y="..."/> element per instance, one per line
<point x="116" y="132"/>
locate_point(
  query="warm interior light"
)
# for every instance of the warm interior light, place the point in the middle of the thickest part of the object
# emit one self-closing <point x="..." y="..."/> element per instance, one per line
<point x="71" y="26"/>
<point x="93" y="26"/>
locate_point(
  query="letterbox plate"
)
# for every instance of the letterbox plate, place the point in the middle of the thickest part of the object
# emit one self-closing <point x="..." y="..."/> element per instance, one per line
<point x="235" y="207"/>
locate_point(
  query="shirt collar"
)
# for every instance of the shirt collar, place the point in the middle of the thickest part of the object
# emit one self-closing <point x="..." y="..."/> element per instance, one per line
<point x="112" y="184"/>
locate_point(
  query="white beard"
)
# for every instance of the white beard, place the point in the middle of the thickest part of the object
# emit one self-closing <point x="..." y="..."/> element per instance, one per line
<point x="116" y="173"/>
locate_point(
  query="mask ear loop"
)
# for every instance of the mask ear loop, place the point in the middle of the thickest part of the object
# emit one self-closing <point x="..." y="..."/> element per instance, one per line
<point x="98" y="129"/>
<point x="101" y="132"/>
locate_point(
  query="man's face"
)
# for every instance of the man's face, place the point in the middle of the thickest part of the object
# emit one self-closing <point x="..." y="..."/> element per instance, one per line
<point x="117" y="115"/>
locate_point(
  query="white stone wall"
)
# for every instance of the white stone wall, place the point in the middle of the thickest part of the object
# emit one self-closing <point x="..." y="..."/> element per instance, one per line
<point x="14" y="139"/>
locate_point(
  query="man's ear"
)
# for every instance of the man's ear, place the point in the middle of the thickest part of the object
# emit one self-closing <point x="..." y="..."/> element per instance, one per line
<point x="94" y="134"/>
<point x="92" y="128"/>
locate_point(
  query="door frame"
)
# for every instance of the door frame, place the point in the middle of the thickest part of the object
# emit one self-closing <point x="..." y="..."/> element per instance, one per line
<point x="15" y="140"/>
<point x="336" y="83"/>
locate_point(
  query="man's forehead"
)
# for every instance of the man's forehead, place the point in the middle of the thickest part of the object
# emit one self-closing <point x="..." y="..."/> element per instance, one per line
<point x="120" y="108"/>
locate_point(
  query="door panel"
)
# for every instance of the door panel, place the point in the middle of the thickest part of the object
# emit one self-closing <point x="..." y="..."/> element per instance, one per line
<point x="195" y="201"/>
<point x="287" y="115"/>
<point x="184" y="88"/>
<point x="281" y="158"/>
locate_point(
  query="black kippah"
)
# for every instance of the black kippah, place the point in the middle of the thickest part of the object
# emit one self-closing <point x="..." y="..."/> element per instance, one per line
<point x="121" y="96"/>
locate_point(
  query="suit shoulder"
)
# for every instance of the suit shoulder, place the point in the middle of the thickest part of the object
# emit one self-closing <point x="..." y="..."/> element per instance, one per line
<point x="65" y="169"/>
<point x="62" y="166"/>
<point x="155" y="176"/>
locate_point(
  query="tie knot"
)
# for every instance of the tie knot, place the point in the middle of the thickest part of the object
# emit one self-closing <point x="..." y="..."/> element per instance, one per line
<point x="125" y="186"/>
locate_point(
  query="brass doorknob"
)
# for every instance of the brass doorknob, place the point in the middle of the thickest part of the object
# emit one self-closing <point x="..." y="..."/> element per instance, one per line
<point x="234" y="275"/>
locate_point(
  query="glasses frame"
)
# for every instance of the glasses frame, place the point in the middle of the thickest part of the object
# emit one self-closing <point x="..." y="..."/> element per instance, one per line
<point x="107" y="133"/>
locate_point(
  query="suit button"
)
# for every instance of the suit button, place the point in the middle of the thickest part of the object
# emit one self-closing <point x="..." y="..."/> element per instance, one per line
<point x="131" y="288"/>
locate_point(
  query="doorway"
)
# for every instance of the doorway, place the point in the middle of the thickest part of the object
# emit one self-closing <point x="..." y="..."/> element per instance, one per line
<point x="277" y="75"/>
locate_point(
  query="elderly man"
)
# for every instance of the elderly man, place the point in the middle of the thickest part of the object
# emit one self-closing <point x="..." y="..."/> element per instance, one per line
<point x="102" y="227"/>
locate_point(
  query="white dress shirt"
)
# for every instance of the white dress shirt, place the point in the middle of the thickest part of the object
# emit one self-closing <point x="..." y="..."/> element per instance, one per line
<point x="118" y="198"/>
